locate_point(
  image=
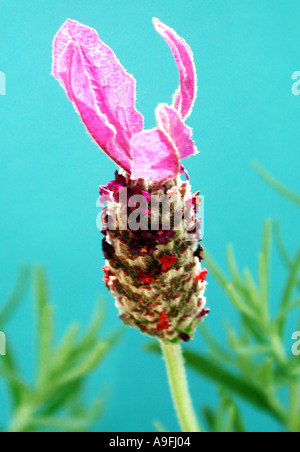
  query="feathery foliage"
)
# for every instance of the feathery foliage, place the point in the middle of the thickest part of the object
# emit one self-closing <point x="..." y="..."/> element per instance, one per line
<point x="53" y="401"/>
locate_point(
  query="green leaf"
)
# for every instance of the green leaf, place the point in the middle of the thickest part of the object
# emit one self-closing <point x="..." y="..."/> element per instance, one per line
<point x="45" y="322"/>
<point x="289" y="288"/>
<point x="62" y="355"/>
<point x="239" y="425"/>
<point x="14" y="380"/>
<point x="239" y="303"/>
<point x="252" y="290"/>
<point x="16" y="389"/>
<point x="93" y="328"/>
<point x="286" y="311"/>
<point x="264" y="267"/>
<point x="216" y="349"/>
<point x="79" y="419"/>
<point x="280" y="244"/>
<point x="227" y="417"/>
<point x="90" y="361"/>
<point x="234" y="422"/>
<point x="159" y="427"/>
<point x="234" y="270"/>
<point x="282" y="250"/>
<point x="55" y="399"/>
<point x="230" y="289"/>
<point x="292" y="280"/>
<point x="209" y="417"/>
<point x="16" y="297"/>
<point x="288" y="194"/>
<point x="254" y="395"/>
<point x="60" y="397"/>
<point x="266" y="375"/>
<point x="215" y="269"/>
<point x="63" y="424"/>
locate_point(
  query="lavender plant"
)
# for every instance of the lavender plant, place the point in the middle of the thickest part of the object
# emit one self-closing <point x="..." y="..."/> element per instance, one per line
<point x="53" y="401"/>
<point x="154" y="274"/>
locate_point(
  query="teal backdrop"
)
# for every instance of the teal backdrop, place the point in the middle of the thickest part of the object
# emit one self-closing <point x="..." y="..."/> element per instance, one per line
<point x="246" y="52"/>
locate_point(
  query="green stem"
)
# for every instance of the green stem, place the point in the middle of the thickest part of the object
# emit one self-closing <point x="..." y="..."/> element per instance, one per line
<point x="294" y="408"/>
<point x="179" y="387"/>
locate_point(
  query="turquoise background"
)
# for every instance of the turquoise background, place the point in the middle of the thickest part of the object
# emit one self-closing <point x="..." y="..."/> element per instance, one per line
<point x="246" y="52"/>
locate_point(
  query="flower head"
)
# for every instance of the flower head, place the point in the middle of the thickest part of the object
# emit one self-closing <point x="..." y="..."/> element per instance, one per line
<point x="155" y="275"/>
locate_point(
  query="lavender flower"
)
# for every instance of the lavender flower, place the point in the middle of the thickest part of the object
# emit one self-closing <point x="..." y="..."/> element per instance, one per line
<point x="155" y="275"/>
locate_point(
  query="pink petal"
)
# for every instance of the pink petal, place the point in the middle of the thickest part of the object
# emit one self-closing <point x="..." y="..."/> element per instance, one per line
<point x="102" y="91"/>
<point x="172" y="126"/>
<point x="79" y="87"/>
<point x="185" y="95"/>
<point x="154" y="157"/>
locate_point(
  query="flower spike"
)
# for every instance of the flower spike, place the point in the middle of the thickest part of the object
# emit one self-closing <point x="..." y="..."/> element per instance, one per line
<point x="154" y="271"/>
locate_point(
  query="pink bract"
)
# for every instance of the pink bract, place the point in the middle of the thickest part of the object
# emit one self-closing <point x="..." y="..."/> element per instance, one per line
<point x="103" y="94"/>
<point x="184" y="97"/>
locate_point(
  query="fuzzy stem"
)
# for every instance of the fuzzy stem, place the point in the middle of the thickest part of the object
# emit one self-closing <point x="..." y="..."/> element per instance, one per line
<point x="179" y="387"/>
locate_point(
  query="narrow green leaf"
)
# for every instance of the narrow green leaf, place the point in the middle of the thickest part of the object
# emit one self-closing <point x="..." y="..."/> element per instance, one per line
<point x="263" y="282"/>
<point x="252" y="289"/>
<point x="89" y="363"/>
<point x="16" y="297"/>
<point x="266" y="240"/>
<point x="288" y="194"/>
<point x="292" y="280"/>
<point x="289" y="288"/>
<point x="77" y="419"/>
<point x="266" y="375"/>
<point x="283" y="252"/>
<point x="13" y="379"/>
<point x="64" y="351"/>
<point x="216" y="349"/>
<point x="239" y="304"/>
<point x="209" y="417"/>
<point x="159" y="427"/>
<point x="227" y="417"/>
<point x="91" y="336"/>
<point x="16" y="389"/>
<point x="63" y="424"/>
<point x="56" y="398"/>
<point x="216" y="271"/>
<point x="264" y="266"/>
<point x="44" y="320"/>
<point x="286" y="311"/>
<point x="254" y="395"/>
<point x="234" y="420"/>
<point x="239" y="426"/>
<point x="230" y="289"/>
<point x="253" y="329"/>
<point x="234" y="269"/>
